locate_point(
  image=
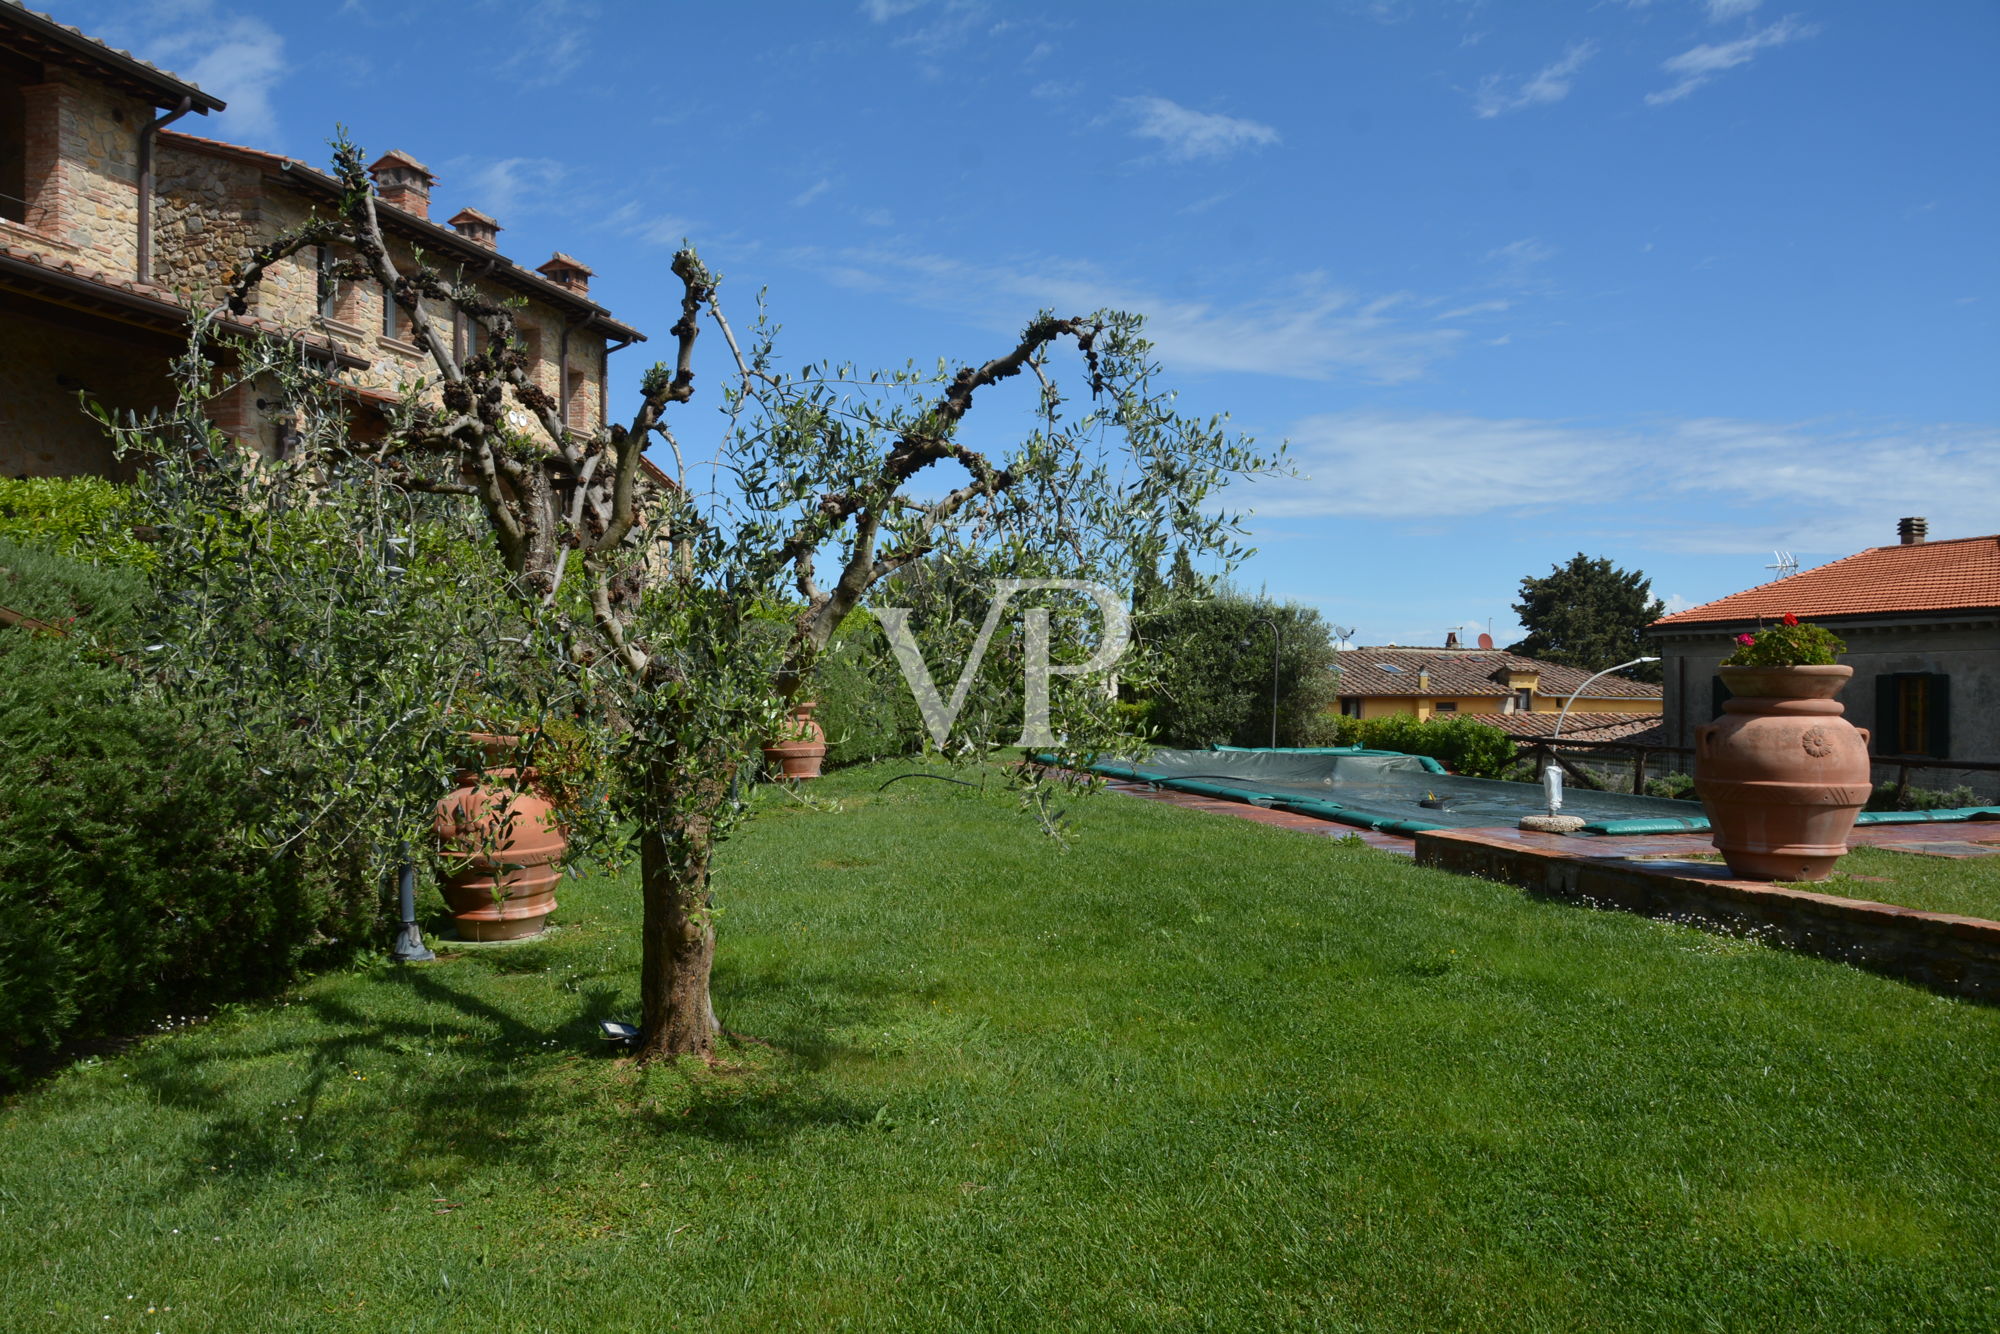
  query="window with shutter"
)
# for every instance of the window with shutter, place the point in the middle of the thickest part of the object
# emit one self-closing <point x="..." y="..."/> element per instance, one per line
<point x="1913" y="714"/>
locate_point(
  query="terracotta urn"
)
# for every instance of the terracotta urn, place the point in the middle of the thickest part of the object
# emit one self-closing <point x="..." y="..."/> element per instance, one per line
<point x="504" y="847"/>
<point x="800" y="747"/>
<point x="1782" y="774"/>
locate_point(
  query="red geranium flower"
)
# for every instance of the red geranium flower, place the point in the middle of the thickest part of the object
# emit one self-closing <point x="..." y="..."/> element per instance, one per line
<point x="1791" y="619"/>
<point x="1746" y="639"/>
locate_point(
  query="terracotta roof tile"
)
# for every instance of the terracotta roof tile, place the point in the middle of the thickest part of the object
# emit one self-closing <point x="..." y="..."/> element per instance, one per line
<point x="1453" y="671"/>
<point x="1577" y="727"/>
<point x="1925" y="576"/>
<point x="396" y="157"/>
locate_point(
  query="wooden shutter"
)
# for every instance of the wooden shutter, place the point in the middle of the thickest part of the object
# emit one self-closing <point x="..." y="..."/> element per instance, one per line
<point x="1888" y="735"/>
<point x="1938" y="743"/>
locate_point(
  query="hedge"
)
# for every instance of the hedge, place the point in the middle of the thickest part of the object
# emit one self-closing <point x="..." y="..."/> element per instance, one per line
<point x="127" y="889"/>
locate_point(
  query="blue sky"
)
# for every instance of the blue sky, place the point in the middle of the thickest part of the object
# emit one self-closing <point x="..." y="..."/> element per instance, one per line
<point x="1675" y="282"/>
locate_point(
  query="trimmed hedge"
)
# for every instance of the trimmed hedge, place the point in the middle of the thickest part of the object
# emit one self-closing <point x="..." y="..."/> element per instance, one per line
<point x="1460" y="744"/>
<point x="86" y="518"/>
<point x="127" y="889"/>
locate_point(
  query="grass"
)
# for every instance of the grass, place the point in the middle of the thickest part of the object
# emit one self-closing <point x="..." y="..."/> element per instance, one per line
<point x="1193" y="1073"/>
<point x="1968" y="886"/>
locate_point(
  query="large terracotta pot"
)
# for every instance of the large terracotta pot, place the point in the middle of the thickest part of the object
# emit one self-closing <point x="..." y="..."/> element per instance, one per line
<point x="801" y="745"/>
<point x="504" y="846"/>
<point x="1782" y="773"/>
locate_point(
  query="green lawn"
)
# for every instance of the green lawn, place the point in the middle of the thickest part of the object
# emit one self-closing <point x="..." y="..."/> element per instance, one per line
<point x="1969" y="886"/>
<point x="1193" y="1073"/>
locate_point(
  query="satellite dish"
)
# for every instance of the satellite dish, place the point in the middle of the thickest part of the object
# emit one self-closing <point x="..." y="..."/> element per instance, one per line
<point x="1485" y="640"/>
<point x="1343" y="633"/>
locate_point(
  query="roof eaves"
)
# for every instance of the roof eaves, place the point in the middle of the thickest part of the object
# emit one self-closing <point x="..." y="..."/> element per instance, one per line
<point x="164" y="88"/>
<point x="486" y="262"/>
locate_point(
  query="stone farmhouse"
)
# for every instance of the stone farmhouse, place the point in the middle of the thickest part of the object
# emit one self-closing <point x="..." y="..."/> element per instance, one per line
<point x="114" y="224"/>
<point x="1922" y="624"/>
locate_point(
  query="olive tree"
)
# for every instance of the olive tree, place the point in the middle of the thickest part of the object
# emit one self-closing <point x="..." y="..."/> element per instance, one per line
<point x="823" y="483"/>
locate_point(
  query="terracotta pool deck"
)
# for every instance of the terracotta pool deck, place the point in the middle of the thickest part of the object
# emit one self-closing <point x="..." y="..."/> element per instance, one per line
<point x="1658" y="875"/>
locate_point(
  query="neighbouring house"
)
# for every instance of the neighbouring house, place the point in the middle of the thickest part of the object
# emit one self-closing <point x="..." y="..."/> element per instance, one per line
<point x="114" y="226"/>
<point x="1521" y="696"/>
<point x="1922" y="624"/>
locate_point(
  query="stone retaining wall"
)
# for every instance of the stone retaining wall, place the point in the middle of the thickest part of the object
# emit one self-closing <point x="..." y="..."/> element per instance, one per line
<point x="1956" y="955"/>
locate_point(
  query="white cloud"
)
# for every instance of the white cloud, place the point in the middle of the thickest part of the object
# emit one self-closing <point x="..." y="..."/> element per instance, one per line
<point x="1697" y="65"/>
<point x="664" y="229"/>
<point x="497" y="186"/>
<point x="1549" y="84"/>
<point x="552" y="42"/>
<point x="881" y="11"/>
<point x="1189" y="134"/>
<point x="1518" y="263"/>
<point x="237" y="57"/>
<point x="1312" y="331"/>
<point x="1811" y="486"/>
<point x="1721" y="11"/>
<point x="1476" y="308"/>
<point x="811" y="192"/>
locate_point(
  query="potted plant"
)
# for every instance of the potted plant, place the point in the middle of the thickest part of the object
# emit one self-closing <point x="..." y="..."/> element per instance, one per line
<point x="1782" y="774"/>
<point x="529" y="779"/>
<point x="502" y="843"/>
<point x="800" y="746"/>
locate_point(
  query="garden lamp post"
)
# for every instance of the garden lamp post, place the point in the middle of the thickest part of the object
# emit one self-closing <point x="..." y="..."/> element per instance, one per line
<point x="1277" y="647"/>
<point x="409" y="946"/>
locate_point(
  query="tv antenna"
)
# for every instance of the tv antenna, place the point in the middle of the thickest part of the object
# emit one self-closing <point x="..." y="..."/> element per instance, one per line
<point x="1786" y="565"/>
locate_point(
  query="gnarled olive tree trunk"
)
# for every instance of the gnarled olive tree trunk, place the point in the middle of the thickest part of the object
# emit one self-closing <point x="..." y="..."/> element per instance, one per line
<point x="677" y="933"/>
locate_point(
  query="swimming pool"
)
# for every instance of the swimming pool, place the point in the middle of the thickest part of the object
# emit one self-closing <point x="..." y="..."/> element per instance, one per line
<point x="1405" y="794"/>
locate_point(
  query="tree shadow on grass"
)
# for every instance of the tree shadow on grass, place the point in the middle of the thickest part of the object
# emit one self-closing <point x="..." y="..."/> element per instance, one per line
<point x="394" y="1098"/>
<point x="410" y="1080"/>
<point x="800" y="1011"/>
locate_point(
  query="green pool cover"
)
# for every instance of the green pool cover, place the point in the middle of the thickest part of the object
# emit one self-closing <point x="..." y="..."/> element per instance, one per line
<point x="1402" y="794"/>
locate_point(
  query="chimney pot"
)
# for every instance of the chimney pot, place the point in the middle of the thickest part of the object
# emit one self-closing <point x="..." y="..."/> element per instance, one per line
<point x="476" y="227"/>
<point x="1913" y="531"/>
<point x="403" y="181"/>
<point x="567" y="271"/>
<point x="1451" y="639"/>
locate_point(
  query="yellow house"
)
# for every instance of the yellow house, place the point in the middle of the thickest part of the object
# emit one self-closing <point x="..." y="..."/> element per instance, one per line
<point x="1496" y="686"/>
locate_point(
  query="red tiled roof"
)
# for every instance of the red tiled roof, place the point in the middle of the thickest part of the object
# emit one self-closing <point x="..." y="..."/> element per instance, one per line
<point x="1577" y="727"/>
<point x="1924" y="576"/>
<point x="1456" y="671"/>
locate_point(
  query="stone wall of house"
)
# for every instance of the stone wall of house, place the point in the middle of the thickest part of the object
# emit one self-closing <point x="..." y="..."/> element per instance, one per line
<point x="82" y="176"/>
<point x="1967" y="649"/>
<point x="207" y="214"/>
<point x="210" y="208"/>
